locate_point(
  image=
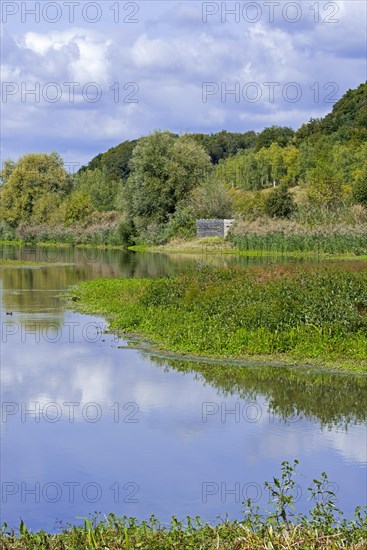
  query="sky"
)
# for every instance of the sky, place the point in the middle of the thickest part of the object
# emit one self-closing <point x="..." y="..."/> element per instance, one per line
<point x="80" y="77"/>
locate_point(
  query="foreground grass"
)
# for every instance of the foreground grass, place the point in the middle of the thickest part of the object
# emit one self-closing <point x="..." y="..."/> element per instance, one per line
<point x="116" y="533"/>
<point x="14" y="242"/>
<point x="280" y="528"/>
<point x="289" y="313"/>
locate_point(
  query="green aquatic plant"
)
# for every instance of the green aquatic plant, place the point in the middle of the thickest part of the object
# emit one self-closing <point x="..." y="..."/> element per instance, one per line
<point x="306" y="314"/>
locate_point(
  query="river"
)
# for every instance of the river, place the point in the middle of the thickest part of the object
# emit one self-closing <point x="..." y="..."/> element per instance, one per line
<point x="91" y="423"/>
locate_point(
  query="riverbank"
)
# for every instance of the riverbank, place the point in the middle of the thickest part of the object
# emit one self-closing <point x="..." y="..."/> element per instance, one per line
<point x="215" y="246"/>
<point x="201" y="248"/>
<point x="130" y="534"/>
<point x="28" y="263"/>
<point x="292" y="314"/>
<point x="281" y="527"/>
<point x="52" y="244"/>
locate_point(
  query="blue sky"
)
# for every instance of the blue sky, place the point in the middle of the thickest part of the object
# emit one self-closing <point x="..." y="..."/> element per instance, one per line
<point x="103" y="72"/>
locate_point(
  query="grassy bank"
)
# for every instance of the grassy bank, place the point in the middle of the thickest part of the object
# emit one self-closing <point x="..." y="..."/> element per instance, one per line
<point x="273" y="244"/>
<point x="52" y="244"/>
<point x="329" y="237"/>
<point x="217" y="247"/>
<point x="102" y="229"/>
<point x="292" y="313"/>
<point x="201" y="248"/>
<point x="267" y="236"/>
<point x="286" y="236"/>
<point x="351" y="244"/>
<point x="280" y="528"/>
<point x="28" y="263"/>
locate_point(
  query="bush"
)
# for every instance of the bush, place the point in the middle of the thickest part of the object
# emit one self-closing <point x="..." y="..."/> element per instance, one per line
<point x="182" y="225"/>
<point x="279" y="203"/>
<point x="359" y="191"/>
<point x="249" y="204"/>
<point x="7" y="233"/>
<point x="212" y="200"/>
<point x="126" y="234"/>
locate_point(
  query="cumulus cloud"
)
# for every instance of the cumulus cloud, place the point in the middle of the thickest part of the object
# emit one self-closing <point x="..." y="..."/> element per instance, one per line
<point x="85" y="52"/>
<point x="154" y="53"/>
<point x="169" y="54"/>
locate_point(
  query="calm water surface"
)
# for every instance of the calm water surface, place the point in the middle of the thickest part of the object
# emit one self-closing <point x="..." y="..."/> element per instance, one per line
<point x="90" y="424"/>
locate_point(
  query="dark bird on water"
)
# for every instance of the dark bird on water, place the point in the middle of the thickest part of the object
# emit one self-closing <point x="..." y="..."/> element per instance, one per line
<point x="9" y="313"/>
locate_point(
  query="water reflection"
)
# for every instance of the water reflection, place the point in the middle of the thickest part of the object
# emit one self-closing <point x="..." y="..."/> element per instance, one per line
<point x="32" y="294"/>
<point x="331" y="400"/>
<point x="35" y="290"/>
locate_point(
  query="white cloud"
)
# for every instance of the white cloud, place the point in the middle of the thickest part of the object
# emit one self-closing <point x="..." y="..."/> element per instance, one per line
<point x="87" y="52"/>
<point x="350" y="444"/>
<point x="154" y="53"/>
<point x="169" y="54"/>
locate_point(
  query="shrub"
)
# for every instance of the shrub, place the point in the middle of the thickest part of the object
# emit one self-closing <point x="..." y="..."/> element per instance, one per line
<point x="359" y="191"/>
<point x="126" y="233"/>
<point x="212" y="200"/>
<point x="279" y="203"/>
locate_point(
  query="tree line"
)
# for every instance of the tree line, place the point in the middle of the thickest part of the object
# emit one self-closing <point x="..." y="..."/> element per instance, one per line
<point x="154" y="188"/>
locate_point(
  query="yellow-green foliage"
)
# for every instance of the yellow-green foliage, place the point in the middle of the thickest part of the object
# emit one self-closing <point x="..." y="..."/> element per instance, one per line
<point x="78" y="207"/>
<point x="251" y="170"/>
<point x="26" y="182"/>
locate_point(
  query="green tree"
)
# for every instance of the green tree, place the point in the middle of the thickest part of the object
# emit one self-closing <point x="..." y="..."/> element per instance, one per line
<point x="77" y="208"/>
<point x="45" y="208"/>
<point x="101" y="189"/>
<point x="314" y="153"/>
<point x="291" y="157"/>
<point x="7" y="170"/>
<point x="279" y="203"/>
<point x="359" y="176"/>
<point x="281" y="135"/>
<point x="346" y="122"/>
<point x="310" y="130"/>
<point x="346" y="161"/>
<point x="223" y="145"/>
<point x="147" y="191"/>
<point x="359" y="190"/>
<point x="277" y="165"/>
<point x="241" y="171"/>
<point x="188" y="167"/>
<point x="115" y="161"/>
<point x="325" y="189"/>
<point x="164" y="170"/>
<point x="264" y="167"/>
<point x="32" y="176"/>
